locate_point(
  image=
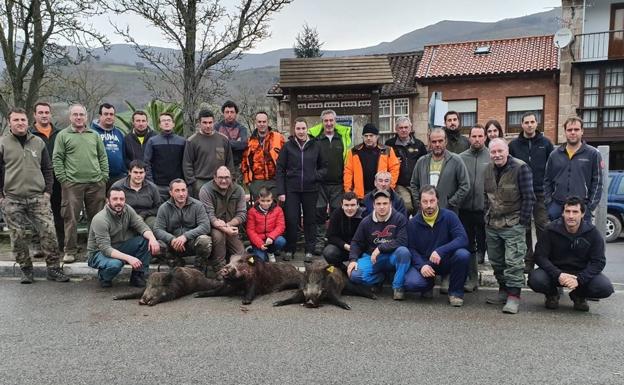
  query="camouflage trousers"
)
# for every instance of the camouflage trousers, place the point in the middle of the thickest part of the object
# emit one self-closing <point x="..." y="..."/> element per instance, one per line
<point x="19" y="213"/>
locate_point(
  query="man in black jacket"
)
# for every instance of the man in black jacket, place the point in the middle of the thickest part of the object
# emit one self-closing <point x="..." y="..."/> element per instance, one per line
<point x="342" y="225"/>
<point x="533" y="148"/>
<point x="571" y="254"/>
<point x="135" y="141"/>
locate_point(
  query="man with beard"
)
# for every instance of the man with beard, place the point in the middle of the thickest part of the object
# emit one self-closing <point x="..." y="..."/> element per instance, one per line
<point x="574" y="168"/>
<point x="457" y="143"/>
<point x="136" y="140"/>
<point x="236" y="133"/>
<point x="118" y="236"/>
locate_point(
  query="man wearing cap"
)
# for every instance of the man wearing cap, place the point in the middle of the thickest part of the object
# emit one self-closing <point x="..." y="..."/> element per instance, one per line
<point x="378" y="247"/>
<point x="365" y="160"/>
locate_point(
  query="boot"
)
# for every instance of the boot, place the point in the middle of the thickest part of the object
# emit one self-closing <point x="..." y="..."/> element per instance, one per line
<point x="480" y="257"/>
<point x="27" y="275"/>
<point x="512" y="305"/>
<point x="137" y="279"/>
<point x="472" y="282"/>
<point x="499" y="299"/>
<point x="580" y="303"/>
<point x="444" y="286"/>
<point x="552" y="302"/>
<point x="56" y="274"/>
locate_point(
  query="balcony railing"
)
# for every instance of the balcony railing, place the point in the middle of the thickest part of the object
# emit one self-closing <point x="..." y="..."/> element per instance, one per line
<point x="599" y="46"/>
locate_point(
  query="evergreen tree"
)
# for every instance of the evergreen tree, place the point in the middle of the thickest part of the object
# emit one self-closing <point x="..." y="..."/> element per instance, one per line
<point x="307" y="43"/>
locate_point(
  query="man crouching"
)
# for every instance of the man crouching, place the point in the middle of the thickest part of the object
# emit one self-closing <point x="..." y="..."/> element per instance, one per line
<point x="114" y="240"/>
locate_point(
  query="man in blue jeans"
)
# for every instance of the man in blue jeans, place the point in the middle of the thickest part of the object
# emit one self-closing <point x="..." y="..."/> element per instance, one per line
<point x="378" y="246"/>
<point x="117" y="236"/>
<point x="437" y="242"/>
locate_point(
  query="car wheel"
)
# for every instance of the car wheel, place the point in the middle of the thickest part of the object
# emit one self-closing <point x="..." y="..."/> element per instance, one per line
<point x="614" y="227"/>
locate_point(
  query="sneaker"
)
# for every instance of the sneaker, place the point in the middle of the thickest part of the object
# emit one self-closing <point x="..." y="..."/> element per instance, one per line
<point x="106" y="284"/>
<point x="27" y="275"/>
<point x="512" y="305"/>
<point x="427" y="294"/>
<point x="500" y="298"/>
<point x="455" y="301"/>
<point x="580" y="304"/>
<point x="444" y="286"/>
<point x="69" y="258"/>
<point x="398" y="295"/>
<point x="308" y="258"/>
<point x="56" y="274"/>
<point x="552" y="302"/>
<point x="137" y="279"/>
<point x="271" y="257"/>
<point x="288" y="256"/>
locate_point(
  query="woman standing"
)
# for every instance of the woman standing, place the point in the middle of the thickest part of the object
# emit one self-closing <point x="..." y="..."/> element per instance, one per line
<point x="493" y="130"/>
<point x="300" y="169"/>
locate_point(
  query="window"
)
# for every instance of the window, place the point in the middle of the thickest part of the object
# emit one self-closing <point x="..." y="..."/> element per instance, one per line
<point x="602" y="99"/>
<point x="385" y="115"/>
<point x="516" y="107"/>
<point x="467" y="113"/>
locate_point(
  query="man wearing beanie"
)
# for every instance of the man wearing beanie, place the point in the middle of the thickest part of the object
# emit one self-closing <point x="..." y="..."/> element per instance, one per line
<point x="367" y="159"/>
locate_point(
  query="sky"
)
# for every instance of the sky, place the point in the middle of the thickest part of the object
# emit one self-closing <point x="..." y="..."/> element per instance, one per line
<point x="347" y="24"/>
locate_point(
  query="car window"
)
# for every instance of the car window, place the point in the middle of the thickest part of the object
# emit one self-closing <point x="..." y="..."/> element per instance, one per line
<point x="620" y="189"/>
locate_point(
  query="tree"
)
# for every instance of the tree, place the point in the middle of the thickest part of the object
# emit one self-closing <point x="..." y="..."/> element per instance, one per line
<point x="207" y="37"/>
<point x="31" y="34"/>
<point x="307" y="43"/>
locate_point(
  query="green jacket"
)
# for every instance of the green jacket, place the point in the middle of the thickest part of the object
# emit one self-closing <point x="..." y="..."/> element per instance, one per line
<point x="344" y="131"/>
<point x="108" y="230"/>
<point x="191" y="221"/>
<point x="79" y="157"/>
<point x="25" y="171"/>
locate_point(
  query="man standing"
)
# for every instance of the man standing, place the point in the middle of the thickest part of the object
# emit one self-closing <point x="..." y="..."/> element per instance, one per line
<point x="367" y="159"/>
<point x="471" y="214"/>
<point x="182" y="229"/>
<point x="236" y="133"/>
<point x="259" y="161"/>
<point x="457" y="143"/>
<point x="118" y="236"/>
<point x="205" y="151"/>
<point x="113" y="140"/>
<point x="408" y="149"/>
<point x="225" y="204"/>
<point x="163" y="156"/>
<point x="333" y="149"/>
<point x="136" y="140"/>
<point x="508" y="205"/>
<point x="140" y="194"/>
<point x="533" y="148"/>
<point x="46" y="131"/>
<point x="377" y="247"/>
<point x="382" y="182"/>
<point x="441" y="252"/>
<point x="343" y="223"/>
<point x="443" y="170"/>
<point x="81" y="166"/>
<point x="571" y="254"/>
<point x="25" y="187"/>
<point x="574" y="168"/>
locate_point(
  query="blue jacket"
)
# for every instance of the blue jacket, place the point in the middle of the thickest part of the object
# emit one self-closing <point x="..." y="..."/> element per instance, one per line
<point x="371" y="234"/>
<point x="445" y="237"/>
<point x="115" y="149"/>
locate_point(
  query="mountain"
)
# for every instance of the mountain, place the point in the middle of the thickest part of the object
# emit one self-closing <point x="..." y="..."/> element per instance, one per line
<point x="542" y="23"/>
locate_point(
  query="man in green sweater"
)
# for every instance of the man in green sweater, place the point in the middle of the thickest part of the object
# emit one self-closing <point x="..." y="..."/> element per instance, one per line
<point x="25" y="187"/>
<point x="118" y="236"/>
<point x="81" y="166"/>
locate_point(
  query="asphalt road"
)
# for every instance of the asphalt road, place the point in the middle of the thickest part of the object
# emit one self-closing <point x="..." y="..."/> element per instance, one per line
<point x="73" y="333"/>
<point x="615" y="263"/>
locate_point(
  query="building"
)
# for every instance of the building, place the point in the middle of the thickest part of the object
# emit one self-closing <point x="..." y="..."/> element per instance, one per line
<point x="494" y="79"/>
<point x="592" y="73"/>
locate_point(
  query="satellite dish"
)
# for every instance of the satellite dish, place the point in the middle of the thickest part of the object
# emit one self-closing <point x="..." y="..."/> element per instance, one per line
<point x="563" y="38"/>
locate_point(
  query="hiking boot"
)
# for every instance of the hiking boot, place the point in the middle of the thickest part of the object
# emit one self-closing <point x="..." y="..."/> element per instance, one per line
<point x="56" y="274"/>
<point x="528" y="267"/>
<point x="580" y="304"/>
<point x="552" y="302"/>
<point x="471" y="285"/>
<point x="500" y="298"/>
<point x="480" y="257"/>
<point x="137" y="279"/>
<point x="444" y="286"/>
<point x="427" y="294"/>
<point x="27" y="275"/>
<point x="398" y="295"/>
<point x="106" y="284"/>
<point x="69" y="258"/>
<point x="288" y="256"/>
<point x="456" y="301"/>
<point x="271" y="257"/>
<point x="512" y="305"/>
<point x="308" y="258"/>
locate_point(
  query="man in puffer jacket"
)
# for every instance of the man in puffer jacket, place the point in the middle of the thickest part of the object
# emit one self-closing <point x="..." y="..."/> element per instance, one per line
<point x="265" y="226"/>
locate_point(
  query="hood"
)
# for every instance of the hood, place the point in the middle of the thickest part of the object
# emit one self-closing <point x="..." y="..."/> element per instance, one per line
<point x="558" y="226"/>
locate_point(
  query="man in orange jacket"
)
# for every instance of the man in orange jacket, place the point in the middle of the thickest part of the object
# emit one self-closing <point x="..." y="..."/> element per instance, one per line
<point x="367" y="159"/>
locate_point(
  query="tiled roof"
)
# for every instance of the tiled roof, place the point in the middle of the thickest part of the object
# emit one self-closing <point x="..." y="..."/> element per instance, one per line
<point x="505" y="56"/>
<point x="403" y="67"/>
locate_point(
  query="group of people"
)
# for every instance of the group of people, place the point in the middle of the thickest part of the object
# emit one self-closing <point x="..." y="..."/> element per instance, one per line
<point x="401" y="207"/>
